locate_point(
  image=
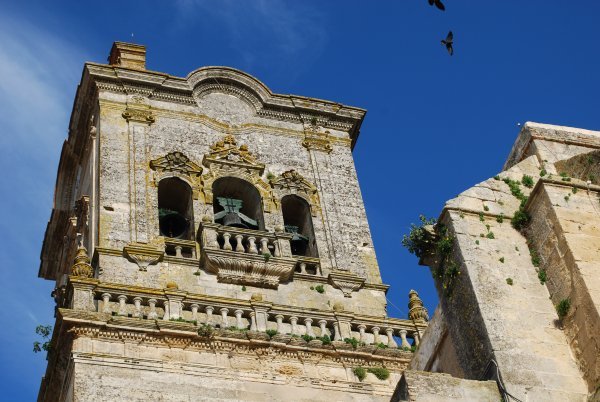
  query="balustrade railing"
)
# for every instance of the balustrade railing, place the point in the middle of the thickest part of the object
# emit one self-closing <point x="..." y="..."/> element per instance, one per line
<point x="308" y="266"/>
<point x="180" y="248"/>
<point x="382" y="333"/>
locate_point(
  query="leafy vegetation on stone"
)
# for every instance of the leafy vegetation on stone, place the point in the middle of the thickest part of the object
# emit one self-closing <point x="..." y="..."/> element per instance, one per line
<point x="352" y="341"/>
<point x="360" y="373"/>
<point x="325" y="339"/>
<point x="205" y="331"/>
<point x="271" y="332"/>
<point x="509" y="281"/>
<point x="542" y="276"/>
<point x="417" y="239"/>
<point x="490" y="235"/>
<point x="380" y="372"/>
<point x="562" y="308"/>
<point x="320" y="288"/>
<point x="527" y="181"/>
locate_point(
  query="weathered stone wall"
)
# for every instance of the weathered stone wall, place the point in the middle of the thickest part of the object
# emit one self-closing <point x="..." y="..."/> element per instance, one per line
<point x="497" y="308"/>
<point x="420" y="386"/>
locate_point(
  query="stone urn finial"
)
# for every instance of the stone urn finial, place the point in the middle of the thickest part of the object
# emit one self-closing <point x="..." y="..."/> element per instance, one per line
<point x="171" y="285"/>
<point x="417" y="310"/>
<point x="81" y="265"/>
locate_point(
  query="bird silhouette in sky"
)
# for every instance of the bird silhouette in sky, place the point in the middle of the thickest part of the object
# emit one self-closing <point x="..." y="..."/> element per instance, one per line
<point x="448" y="43"/>
<point x="438" y="4"/>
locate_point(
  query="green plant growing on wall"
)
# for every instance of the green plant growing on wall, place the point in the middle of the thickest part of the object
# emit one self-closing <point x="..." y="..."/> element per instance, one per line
<point x="500" y="218"/>
<point x="501" y="259"/>
<point x="380" y="372"/>
<point x="360" y="373"/>
<point x="351" y="341"/>
<point x="486" y="208"/>
<point x="271" y="332"/>
<point x="535" y="257"/>
<point x="490" y="235"/>
<point x="564" y="176"/>
<point x="562" y="308"/>
<point x="418" y="238"/>
<point x="381" y="345"/>
<point x="527" y="181"/>
<point x="307" y="337"/>
<point x="44" y="331"/>
<point x="543" y="172"/>
<point x="325" y="339"/>
<point x="320" y="288"/>
<point x="542" y="276"/>
<point x="266" y="256"/>
<point x="509" y="281"/>
<point x="205" y="331"/>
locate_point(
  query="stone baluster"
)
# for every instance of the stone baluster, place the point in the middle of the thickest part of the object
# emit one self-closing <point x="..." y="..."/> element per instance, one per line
<point x="122" y="305"/>
<point x="178" y="251"/>
<point x="264" y="246"/>
<point x="323" y="326"/>
<point x="209" y="311"/>
<point x="279" y="320"/>
<point x="106" y="303"/>
<point x="336" y="332"/>
<point x="361" y="331"/>
<point x="253" y="326"/>
<point x="238" y="318"/>
<point x="276" y="250"/>
<point x="294" y="322"/>
<point x="224" y="320"/>
<point x="405" y="343"/>
<point x="239" y="247"/>
<point x="308" y="324"/>
<point x="252" y="245"/>
<point x="227" y="244"/>
<point x="137" y="302"/>
<point x="152" y="314"/>
<point x="390" y="335"/>
<point x="302" y="267"/>
<point x="194" y="307"/>
<point x="417" y="337"/>
<point x="375" y="331"/>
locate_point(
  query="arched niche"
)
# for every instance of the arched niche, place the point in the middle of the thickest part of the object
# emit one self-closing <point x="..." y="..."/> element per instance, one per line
<point x="175" y="208"/>
<point x="298" y="220"/>
<point x="234" y="194"/>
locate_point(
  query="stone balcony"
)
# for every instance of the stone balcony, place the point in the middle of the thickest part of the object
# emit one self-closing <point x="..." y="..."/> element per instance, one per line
<point x="246" y="257"/>
<point x="253" y="315"/>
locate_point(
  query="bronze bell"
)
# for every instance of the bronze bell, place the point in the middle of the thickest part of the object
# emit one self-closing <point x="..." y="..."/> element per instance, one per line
<point x="233" y="219"/>
<point x="172" y="223"/>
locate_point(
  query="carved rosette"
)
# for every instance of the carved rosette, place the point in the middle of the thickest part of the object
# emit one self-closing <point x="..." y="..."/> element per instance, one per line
<point x="346" y="281"/>
<point x="143" y="254"/>
<point x="81" y="267"/>
<point x="417" y="310"/>
<point x="247" y="269"/>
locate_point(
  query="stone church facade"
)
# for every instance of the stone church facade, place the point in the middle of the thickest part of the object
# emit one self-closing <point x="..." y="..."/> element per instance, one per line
<point x="209" y="241"/>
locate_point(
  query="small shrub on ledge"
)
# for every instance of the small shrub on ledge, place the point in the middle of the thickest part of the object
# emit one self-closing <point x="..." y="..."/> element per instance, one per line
<point x="352" y="342"/>
<point x="562" y="308"/>
<point x="325" y="339"/>
<point x="360" y="373"/>
<point x="205" y="331"/>
<point x="307" y="338"/>
<point x="271" y="332"/>
<point x="381" y="345"/>
<point x="380" y="372"/>
<point x="320" y="288"/>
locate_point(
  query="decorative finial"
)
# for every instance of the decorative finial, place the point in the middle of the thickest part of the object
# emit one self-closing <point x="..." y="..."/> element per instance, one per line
<point x="417" y="311"/>
<point x="81" y="265"/>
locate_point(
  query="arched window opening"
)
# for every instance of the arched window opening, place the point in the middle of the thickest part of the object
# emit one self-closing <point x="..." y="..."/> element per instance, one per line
<point x="237" y="203"/>
<point x="175" y="209"/>
<point x="298" y="221"/>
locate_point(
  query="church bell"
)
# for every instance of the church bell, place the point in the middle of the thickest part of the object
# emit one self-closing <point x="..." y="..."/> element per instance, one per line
<point x="172" y="223"/>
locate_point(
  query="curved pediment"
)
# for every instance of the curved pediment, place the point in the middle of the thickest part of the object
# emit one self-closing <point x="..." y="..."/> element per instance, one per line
<point x="208" y="80"/>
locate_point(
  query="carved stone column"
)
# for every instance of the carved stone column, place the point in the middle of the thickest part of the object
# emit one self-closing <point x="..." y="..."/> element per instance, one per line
<point x="238" y="318"/>
<point x="194" y="307"/>
<point x="122" y="305"/>
<point x="209" y="312"/>
<point x="279" y="320"/>
<point x="375" y="331"/>
<point x="308" y="324"/>
<point x="323" y="326"/>
<point x="361" y="330"/>
<point x="294" y="323"/>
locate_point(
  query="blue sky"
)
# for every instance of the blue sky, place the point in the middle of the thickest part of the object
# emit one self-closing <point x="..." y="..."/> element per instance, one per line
<point x="435" y="125"/>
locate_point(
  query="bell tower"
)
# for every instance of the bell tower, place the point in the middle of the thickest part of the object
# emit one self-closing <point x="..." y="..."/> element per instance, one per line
<point x="209" y="240"/>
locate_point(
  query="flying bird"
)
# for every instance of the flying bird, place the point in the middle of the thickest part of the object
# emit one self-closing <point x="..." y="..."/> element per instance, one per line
<point x="448" y="43"/>
<point x="438" y="4"/>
